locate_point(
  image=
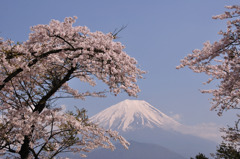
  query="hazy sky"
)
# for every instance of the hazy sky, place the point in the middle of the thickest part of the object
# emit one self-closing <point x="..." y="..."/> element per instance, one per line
<point x="159" y="33"/>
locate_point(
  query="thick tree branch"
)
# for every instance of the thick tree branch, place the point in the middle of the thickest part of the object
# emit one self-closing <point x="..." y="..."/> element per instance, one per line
<point x="42" y="103"/>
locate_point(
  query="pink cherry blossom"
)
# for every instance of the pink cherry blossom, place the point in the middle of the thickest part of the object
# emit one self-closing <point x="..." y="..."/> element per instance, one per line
<point x="36" y="73"/>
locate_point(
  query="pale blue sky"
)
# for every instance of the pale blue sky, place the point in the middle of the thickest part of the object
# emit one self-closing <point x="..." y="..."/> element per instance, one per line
<point x="158" y="35"/>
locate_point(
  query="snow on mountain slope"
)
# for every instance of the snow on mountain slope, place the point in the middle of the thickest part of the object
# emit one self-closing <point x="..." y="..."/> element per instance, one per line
<point x="130" y="115"/>
<point x="133" y="114"/>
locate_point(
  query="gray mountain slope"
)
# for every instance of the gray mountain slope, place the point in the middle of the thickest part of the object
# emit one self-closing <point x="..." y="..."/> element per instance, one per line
<point x="185" y="145"/>
<point x="136" y="151"/>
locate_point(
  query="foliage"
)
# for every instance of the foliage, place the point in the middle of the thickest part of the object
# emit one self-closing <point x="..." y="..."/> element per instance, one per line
<point x="226" y="151"/>
<point x="34" y="74"/>
<point x="200" y="156"/>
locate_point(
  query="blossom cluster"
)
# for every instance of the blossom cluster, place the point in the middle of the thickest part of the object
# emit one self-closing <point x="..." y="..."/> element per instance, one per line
<point x="35" y="73"/>
<point x="56" y="130"/>
<point x="221" y="61"/>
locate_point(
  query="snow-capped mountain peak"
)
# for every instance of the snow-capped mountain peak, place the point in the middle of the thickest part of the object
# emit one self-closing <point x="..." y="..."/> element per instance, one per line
<point x="133" y="114"/>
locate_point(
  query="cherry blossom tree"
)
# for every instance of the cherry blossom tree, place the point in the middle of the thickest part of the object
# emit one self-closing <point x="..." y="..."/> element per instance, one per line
<point x="221" y="61"/>
<point x="35" y="73"/>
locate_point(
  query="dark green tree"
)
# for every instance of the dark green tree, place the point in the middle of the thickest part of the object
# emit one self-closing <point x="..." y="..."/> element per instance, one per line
<point x="226" y="151"/>
<point x="200" y="156"/>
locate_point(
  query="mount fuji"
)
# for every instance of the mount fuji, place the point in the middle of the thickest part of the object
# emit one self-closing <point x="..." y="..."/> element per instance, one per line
<point x="130" y="115"/>
<point x="139" y="121"/>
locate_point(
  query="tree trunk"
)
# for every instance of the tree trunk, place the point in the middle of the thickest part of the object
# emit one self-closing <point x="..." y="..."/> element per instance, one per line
<point x="24" y="152"/>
